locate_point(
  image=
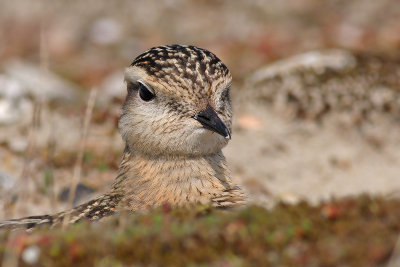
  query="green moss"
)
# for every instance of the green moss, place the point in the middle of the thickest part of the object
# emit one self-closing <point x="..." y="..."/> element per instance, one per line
<point x="359" y="231"/>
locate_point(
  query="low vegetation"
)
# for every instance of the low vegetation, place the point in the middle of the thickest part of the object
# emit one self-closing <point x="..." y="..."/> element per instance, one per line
<point x="358" y="231"/>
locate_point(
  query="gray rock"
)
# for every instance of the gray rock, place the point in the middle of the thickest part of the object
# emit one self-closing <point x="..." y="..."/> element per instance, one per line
<point x="8" y="183"/>
<point x="13" y="104"/>
<point x="22" y="82"/>
<point x="33" y="81"/>
<point x="315" y="61"/>
<point x="355" y="88"/>
<point x="81" y="194"/>
<point x="105" y="31"/>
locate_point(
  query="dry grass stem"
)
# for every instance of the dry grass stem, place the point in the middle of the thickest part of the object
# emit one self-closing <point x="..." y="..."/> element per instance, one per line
<point x="30" y="153"/>
<point x="78" y="164"/>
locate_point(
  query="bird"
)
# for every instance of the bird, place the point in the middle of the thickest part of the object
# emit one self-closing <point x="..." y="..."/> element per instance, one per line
<point x="175" y="120"/>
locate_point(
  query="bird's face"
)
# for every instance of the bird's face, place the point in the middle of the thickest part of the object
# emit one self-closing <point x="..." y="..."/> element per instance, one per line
<point x="178" y="102"/>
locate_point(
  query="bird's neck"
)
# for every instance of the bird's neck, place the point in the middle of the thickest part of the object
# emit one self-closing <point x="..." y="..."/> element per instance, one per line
<point x="145" y="181"/>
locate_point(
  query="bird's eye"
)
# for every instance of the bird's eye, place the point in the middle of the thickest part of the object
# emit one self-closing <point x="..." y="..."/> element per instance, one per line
<point x="145" y="93"/>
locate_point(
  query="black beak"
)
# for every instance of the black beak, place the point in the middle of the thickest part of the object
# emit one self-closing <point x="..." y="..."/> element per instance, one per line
<point x="210" y="120"/>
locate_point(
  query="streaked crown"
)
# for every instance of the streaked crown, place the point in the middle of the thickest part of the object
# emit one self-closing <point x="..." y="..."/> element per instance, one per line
<point x="189" y="67"/>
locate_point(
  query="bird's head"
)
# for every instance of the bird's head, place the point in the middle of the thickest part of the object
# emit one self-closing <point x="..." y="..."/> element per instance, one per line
<point x="178" y="102"/>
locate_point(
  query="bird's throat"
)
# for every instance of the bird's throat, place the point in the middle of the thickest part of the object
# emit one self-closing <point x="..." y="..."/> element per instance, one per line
<point x="146" y="181"/>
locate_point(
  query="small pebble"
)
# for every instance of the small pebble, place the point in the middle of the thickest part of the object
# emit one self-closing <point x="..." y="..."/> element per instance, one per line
<point x="31" y="254"/>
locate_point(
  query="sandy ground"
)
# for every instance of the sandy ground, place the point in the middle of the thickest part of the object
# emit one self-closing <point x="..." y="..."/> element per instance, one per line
<point x="302" y="160"/>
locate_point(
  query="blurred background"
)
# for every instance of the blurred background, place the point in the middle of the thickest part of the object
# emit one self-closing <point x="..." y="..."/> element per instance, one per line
<point x="298" y="134"/>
